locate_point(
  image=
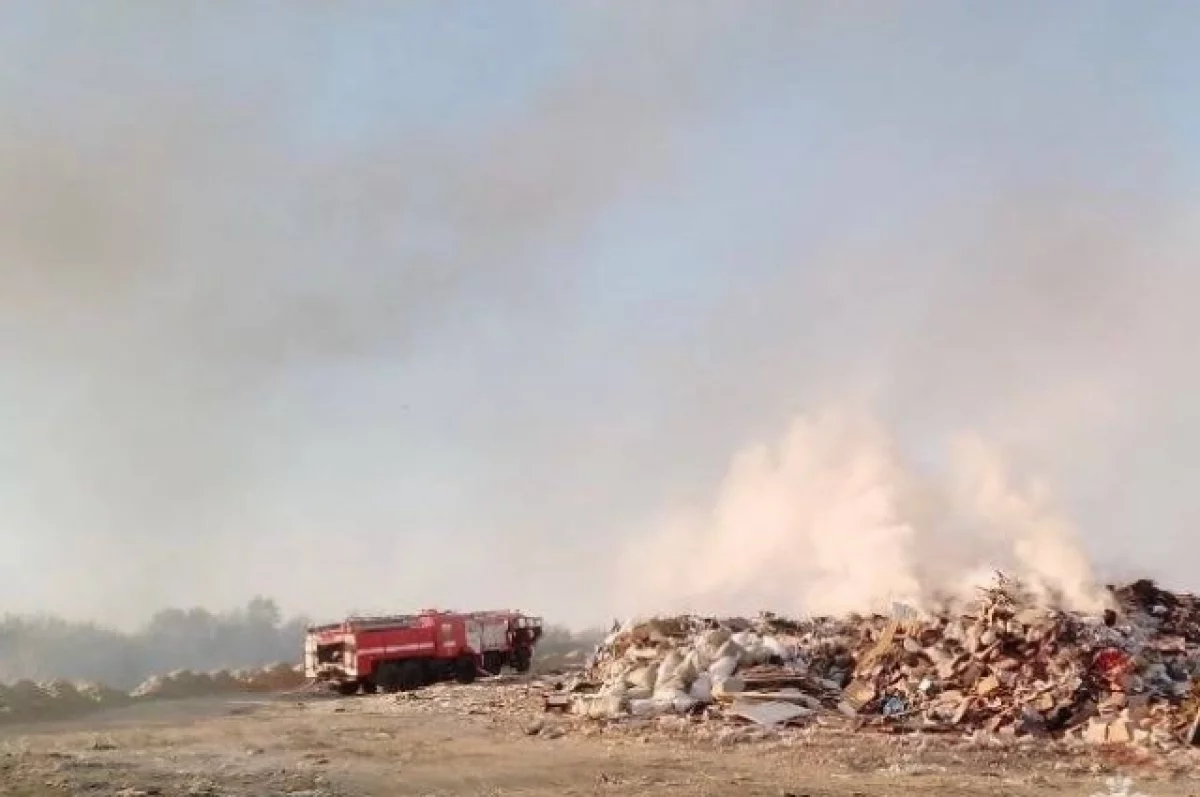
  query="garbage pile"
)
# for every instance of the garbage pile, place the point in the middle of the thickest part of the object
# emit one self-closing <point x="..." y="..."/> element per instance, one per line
<point x="1005" y="666"/>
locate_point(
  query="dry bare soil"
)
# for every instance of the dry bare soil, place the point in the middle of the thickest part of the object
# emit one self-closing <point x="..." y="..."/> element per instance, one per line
<point x="472" y="741"/>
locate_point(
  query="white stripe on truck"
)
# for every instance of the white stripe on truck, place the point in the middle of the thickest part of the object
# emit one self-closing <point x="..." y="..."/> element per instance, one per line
<point x="396" y="649"/>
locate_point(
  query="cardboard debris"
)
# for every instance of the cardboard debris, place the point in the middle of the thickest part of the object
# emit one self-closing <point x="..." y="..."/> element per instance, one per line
<point x="558" y="702"/>
<point x="1005" y="665"/>
<point x="859" y="694"/>
<point x="1193" y="730"/>
<point x="768" y="714"/>
<point x="986" y="686"/>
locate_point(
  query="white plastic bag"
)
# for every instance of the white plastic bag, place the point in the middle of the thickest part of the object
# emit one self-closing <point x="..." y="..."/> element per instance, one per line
<point x="645" y="708"/>
<point x="702" y="688"/>
<point x="615" y="688"/>
<point x="710" y="642"/>
<point x="776" y="648"/>
<point x="728" y="686"/>
<point x="667" y="668"/>
<point x="643" y="677"/>
<point x="681" y="678"/>
<point x="723" y="667"/>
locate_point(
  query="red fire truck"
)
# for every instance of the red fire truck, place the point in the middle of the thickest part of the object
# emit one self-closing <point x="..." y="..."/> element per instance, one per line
<point x="404" y="652"/>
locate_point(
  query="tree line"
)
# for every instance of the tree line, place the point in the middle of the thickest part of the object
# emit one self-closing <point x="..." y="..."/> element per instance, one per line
<point x="43" y="647"/>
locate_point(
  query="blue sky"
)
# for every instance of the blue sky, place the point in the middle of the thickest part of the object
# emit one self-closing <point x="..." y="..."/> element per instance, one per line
<point x="359" y="304"/>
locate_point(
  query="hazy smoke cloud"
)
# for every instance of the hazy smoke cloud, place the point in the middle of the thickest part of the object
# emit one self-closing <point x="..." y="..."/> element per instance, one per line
<point x="994" y="372"/>
<point x="835" y="519"/>
<point x="173" y="249"/>
<point x="362" y="308"/>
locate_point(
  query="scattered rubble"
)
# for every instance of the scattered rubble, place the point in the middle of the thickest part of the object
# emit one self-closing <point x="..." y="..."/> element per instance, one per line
<point x="1005" y="667"/>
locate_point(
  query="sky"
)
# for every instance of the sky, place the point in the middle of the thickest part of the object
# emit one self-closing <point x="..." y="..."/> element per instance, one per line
<point x="382" y="305"/>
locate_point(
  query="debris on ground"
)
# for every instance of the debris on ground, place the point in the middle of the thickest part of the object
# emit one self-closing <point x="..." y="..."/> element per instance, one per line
<point x="1006" y="666"/>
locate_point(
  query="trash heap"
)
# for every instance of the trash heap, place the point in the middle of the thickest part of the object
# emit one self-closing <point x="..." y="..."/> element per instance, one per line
<point x="769" y="670"/>
<point x="1005" y="665"/>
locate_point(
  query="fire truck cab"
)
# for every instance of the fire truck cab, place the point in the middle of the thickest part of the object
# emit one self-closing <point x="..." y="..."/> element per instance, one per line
<point x="509" y="640"/>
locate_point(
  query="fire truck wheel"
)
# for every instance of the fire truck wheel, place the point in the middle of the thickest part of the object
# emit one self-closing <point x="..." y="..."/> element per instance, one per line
<point x="465" y="670"/>
<point x="347" y="688"/>
<point x="412" y="676"/>
<point x="522" y="660"/>
<point x="369" y="688"/>
<point x="388" y="677"/>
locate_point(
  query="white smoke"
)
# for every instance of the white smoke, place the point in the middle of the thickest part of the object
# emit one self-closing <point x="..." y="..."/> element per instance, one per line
<point x="836" y="519"/>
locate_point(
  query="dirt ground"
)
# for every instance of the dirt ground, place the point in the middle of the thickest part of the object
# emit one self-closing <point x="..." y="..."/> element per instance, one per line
<point x="491" y="740"/>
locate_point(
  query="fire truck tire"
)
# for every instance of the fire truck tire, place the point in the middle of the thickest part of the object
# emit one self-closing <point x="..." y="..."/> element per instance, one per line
<point x="369" y="688"/>
<point x="522" y="660"/>
<point x="411" y="676"/>
<point x="347" y="688"/>
<point x="387" y="677"/>
<point x="465" y="670"/>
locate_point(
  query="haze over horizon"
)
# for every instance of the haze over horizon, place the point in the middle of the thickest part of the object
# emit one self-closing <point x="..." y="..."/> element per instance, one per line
<point x="566" y="307"/>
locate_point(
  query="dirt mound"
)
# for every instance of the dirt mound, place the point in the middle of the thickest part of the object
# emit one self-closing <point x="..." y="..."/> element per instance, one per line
<point x="154" y="686"/>
<point x="279" y="677"/>
<point x="26" y="700"/>
<point x="101" y="695"/>
<point x="223" y="681"/>
<point x="185" y="683"/>
<point x="178" y="684"/>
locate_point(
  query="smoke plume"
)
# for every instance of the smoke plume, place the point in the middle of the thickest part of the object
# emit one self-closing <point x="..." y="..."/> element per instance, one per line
<point x="835" y="519"/>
